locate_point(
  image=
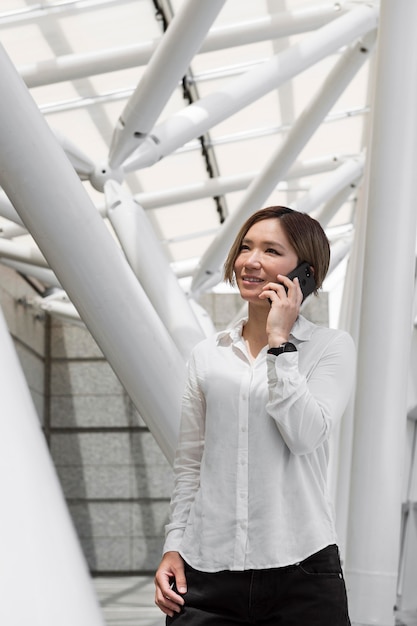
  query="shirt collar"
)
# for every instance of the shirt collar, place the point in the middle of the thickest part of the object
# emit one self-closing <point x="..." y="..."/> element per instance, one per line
<point x="302" y="330"/>
<point x="233" y="334"/>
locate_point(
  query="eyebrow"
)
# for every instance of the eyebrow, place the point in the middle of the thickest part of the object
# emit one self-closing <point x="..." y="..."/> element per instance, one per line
<point x="273" y="244"/>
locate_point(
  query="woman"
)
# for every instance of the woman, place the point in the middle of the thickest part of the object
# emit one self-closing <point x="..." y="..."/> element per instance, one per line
<point x="251" y="538"/>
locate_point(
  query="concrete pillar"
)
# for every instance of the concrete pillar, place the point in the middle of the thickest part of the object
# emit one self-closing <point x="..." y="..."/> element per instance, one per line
<point x="385" y="324"/>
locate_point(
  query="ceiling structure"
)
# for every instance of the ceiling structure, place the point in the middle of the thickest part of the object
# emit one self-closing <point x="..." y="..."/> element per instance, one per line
<point x="203" y="113"/>
<point x="83" y="60"/>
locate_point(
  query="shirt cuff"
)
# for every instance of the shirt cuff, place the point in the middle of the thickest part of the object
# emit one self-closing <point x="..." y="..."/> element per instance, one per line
<point x="284" y="365"/>
<point x="173" y="540"/>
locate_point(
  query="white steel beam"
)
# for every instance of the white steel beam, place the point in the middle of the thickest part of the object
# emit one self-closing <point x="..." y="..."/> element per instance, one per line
<point x="58" y="308"/>
<point x="146" y="257"/>
<point x="37" y="532"/>
<point x="228" y="184"/>
<point x="43" y="274"/>
<point x="27" y="253"/>
<point x="74" y="66"/>
<point x="339" y="250"/>
<point x="38" y="11"/>
<point x="8" y="211"/>
<point x="87" y="261"/>
<point x="196" y="119"/>
<point x="80" y="161"/>
<point x="209" y="271"/>
<point x="346" y="174"/>
<point x="385" y="324"/>
<point x="283" y="24"/>
<point x="330" y="208"/>
<point x="10" y="230"/>
<point x="195" y="145"/>
<point x="163" y="73"/>
<point x="349" y="320"/>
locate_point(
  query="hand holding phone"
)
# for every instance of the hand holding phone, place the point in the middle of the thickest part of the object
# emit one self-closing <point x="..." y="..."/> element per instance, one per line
<point x="306" y="278"/>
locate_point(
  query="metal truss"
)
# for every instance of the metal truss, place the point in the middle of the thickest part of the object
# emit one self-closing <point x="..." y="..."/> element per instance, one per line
<point x="90" y="228"/>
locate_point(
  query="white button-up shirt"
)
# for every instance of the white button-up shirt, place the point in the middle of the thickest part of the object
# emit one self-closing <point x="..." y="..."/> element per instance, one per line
<point x="251" y="465"/>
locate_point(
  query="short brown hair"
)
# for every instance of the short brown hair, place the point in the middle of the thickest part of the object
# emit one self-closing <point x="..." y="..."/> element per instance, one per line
<point x="304" y="233"/>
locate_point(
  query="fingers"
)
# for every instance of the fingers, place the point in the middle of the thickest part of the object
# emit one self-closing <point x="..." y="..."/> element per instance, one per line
<point x="285" y="291"/>
<point x="166" y="598"/>
<point x="170" y="582"/>
<point x="286" y="297"/>
<point x="292" y="287"/>
<point x="180" y="580"/>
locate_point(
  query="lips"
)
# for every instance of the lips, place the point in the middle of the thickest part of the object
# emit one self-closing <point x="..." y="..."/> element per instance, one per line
<point x="252" y="279"/>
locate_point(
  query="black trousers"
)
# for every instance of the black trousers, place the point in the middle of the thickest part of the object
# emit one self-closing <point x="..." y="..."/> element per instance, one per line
<point x="311" y="593"/>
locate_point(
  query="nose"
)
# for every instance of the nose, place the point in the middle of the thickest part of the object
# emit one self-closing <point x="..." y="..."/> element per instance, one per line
<point x="253" y="259"/>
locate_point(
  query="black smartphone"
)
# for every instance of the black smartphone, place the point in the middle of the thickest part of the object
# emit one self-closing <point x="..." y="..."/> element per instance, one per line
<point x="306" y="277"/>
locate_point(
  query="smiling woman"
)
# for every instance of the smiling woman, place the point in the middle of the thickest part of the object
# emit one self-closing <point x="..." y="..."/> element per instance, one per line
<point x="265" y="254"/>
<point x="303" y="233"/>
<point x="259" y="405"/>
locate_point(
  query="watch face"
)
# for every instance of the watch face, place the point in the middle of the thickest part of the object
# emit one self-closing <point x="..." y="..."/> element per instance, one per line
<point x="288" y="347"/>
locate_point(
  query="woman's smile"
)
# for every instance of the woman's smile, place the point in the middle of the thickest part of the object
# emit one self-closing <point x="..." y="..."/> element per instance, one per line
<point x="252" y="279"/>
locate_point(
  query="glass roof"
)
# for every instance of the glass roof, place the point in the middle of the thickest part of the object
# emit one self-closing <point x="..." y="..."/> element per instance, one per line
<point x="83" y="59"/>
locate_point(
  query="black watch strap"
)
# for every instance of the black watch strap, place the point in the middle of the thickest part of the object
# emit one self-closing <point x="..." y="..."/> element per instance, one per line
<point x="284" y="347"/>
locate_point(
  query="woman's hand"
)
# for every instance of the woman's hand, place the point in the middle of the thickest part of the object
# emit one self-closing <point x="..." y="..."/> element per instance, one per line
<point x="171" y="570"/>
<point x="285" y="297"/>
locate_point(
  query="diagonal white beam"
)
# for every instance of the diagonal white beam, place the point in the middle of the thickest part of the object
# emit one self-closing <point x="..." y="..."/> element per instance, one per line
<point x="73" y="66"/>
<point x="276" y="26"/>
<point x="198" y="118"/>
<point x="8" y="211"/>
<point x="58" y="308"/>
<point x="80" y="161"/>
<point x="87" y="261"/>
<point x="43" y="274"/>
<point x="146" y="257"/>
<point x="27" y="253"/>
<point x="10" y="230"/>
<point x="209" y="271"/>
<point x="345" y="175"/>
<point x="228" y="184"/>
<point x="165" y="70"/>
<point x="330" y="208"/>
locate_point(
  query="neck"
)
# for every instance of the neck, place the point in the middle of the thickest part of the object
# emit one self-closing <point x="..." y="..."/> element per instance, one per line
<point x="254" y="331"/>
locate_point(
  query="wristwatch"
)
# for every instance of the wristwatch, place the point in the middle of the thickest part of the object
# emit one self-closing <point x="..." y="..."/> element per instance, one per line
<point x="284" y="347"/>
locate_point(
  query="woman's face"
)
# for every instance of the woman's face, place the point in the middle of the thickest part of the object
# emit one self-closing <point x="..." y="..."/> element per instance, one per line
<point x="265" y="252"/>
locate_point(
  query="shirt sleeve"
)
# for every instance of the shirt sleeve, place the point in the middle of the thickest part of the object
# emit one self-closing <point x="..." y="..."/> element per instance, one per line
<point x="187" y="458"/>
<point x="304" y="407"/>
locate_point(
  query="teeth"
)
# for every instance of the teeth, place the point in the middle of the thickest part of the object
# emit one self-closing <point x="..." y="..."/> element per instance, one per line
<point x="253" y="280"/>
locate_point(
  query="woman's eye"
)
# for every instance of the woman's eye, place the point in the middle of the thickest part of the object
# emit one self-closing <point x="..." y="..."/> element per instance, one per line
<point x="244" y="247"/>
<point x="272" y="251"/>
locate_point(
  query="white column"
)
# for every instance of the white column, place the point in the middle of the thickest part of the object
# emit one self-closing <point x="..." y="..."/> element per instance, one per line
<point x="385" y="324"/>
<point x="43" y="575"/>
